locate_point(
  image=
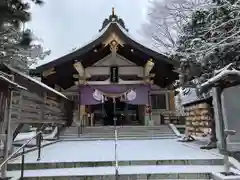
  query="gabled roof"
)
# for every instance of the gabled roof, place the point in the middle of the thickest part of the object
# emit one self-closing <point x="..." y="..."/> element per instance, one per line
<point x="113" y="23"/>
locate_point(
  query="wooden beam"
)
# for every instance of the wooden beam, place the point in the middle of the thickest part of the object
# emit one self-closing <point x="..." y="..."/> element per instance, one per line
<point x="48" y="72"/>
<point x="148" y="67"/>
<point x="82" y="72"/>
<point x="127" y="70"/>
<point x="106" y="82"/>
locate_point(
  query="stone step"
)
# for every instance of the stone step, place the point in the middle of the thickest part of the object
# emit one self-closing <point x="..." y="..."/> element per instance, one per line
<point x="123" y="133"/>
<point x="52" y="165"/>
<point x="120" y="136"/>
<point x="76" y="138"/>
<point x="128" y="130"/>
<point x="125" y="172"/>
<point x="119" y="132"/>
<point x="129" y="127"/>
<point x="112" y="138"/>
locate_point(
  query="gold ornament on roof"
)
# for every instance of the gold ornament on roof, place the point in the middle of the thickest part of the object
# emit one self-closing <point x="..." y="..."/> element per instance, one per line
<point x="113" y="46"/>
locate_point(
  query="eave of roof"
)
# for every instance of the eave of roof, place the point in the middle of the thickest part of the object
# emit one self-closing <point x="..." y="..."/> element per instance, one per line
<point x="98" y="39"/>
<point x="192" y="98"/>
<point x="12" y="83"/>
<point x="29" y="78"/>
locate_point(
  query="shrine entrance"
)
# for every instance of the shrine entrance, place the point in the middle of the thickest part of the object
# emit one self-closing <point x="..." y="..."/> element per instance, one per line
<point x="126" y="114"/>
<point x="124" y="102"/>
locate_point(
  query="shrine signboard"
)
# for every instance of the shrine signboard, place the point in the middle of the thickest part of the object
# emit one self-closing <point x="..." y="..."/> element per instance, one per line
<point x="114" y="74"/>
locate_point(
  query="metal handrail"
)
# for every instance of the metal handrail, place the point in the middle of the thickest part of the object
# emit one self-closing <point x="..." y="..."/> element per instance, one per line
<point x="19" y="149"/>
<point x="115" y="151"/>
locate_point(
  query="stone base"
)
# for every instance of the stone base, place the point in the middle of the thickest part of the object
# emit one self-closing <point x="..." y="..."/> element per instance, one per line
<point x="225" y="176"/>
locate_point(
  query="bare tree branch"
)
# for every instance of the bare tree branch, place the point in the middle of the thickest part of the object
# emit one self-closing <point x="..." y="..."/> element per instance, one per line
<point x="166" y="20"/>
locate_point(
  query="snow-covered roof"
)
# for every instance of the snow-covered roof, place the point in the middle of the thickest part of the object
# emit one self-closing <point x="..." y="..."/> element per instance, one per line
<point x="220" y="75"/>
<point x="191" y="97"/>
<point x="3" y="78"/>
<point x="36" y="81"/>
<point x="84" y="44"/>
<point x="98" y="39"/>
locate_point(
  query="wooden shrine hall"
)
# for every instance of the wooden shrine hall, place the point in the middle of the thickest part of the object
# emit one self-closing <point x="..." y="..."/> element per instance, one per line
<point x="114" y="75"/>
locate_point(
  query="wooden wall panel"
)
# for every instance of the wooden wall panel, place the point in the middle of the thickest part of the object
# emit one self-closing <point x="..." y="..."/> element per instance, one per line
<point x="198" y="119"/>
<point x="31" y="108"/>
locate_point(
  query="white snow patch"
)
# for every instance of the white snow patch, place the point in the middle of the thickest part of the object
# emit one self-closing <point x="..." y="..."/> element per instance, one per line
<point x="96" y="151"/>
<point x="220" y="76"/>
<point x="123" y="170"/>
<point x="25" y="136"/>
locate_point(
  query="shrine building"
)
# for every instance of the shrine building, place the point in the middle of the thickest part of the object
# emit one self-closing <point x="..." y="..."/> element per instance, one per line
<point x="114" y="76"/>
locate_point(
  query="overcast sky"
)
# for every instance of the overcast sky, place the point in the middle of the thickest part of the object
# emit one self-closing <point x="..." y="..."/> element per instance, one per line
<point x="66" y="24"/>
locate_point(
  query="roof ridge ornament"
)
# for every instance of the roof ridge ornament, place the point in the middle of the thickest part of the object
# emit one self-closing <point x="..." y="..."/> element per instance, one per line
<point x="113" y="13"/>
<point x="113" y="18"/>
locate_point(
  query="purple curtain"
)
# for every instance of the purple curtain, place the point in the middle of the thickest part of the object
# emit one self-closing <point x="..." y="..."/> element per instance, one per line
<point x="87" y="93"/>
<point x="142" y="95"/>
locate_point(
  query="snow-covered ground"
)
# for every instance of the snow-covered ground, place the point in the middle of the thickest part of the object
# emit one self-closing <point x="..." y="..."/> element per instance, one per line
<point x="28" y="135"/>
<point x="24" y="136"/>
<point x="85" y="151"/>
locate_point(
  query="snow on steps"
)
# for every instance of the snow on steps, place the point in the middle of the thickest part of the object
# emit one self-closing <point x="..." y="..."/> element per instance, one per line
<point x="79" y="164"/>
<point x="64" y="157"/>
<point x="135" y="172"/>
<point x="124" y="132"/>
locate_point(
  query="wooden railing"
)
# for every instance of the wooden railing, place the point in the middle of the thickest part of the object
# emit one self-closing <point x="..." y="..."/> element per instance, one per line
<point x="3" y="165"/>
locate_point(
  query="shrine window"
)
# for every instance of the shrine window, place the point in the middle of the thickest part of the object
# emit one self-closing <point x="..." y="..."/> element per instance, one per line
<point x="159" y="101"/>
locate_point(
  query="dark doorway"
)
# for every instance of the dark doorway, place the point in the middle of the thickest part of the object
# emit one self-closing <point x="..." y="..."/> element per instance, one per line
<point x="112" y="112"/>
<point x="126" y="114"/>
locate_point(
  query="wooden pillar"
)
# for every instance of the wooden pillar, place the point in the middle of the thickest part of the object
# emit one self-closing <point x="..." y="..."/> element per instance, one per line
<point x="171" y="101"/>
<point x="126" y="114"/>
<point x="168" y="101"/>
<point x="42" y="106"/>
<point x="7" y="129"/>
<point x="78" y="111"/>
<point x="83" y="114"/>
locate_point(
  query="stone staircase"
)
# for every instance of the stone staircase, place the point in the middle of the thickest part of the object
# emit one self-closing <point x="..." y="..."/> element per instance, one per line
<point x="124" y="132"/>
<point x="88" y="160"/>
<point x="130" y="170"/>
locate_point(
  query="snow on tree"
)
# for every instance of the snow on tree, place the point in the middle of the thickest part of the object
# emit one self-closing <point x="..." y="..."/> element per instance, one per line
<point x="12" y="53"/>
<point x="166" y="20"/>
<point x="17" y="47"/>
<point x="216" y="43"/>
<point x="166" y="24"/>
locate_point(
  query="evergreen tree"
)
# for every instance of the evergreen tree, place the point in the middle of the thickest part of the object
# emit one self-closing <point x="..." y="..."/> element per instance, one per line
<point x="16" y="48"/>
<point x="189" y="43"/>
<point x="17" y="56"/>
<point x="14" y="13"/>
<point x="214" y="42"/>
